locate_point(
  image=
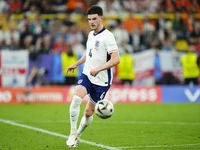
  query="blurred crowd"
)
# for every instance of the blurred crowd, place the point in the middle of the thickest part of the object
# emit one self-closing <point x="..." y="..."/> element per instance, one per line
<point x="135" y="30"/>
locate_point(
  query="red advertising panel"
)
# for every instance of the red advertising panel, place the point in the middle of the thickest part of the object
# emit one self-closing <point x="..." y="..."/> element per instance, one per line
<point x="34" y="95"/>
<point x="131" y="94"/>
<point x="64" y="94"/>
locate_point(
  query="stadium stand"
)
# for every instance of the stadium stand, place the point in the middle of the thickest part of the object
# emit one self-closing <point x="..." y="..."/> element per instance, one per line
<point x="51" y="26"/>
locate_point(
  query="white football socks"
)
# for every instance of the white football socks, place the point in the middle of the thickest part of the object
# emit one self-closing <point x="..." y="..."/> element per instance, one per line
<point x="85" y="122"/>
<point x="74" y="112"/>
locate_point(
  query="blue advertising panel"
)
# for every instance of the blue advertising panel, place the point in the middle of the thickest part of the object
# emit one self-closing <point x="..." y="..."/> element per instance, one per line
<point x="57" y="69"/>
<point x="44" y="61"/>
<point x="181" y="94"/>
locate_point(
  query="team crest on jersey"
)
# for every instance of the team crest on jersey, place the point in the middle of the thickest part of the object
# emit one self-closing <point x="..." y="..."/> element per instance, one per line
<point x="80" y="81"/>
<point x="97" y="44"/>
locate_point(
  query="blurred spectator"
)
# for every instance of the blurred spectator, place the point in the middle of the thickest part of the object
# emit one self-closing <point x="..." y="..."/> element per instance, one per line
<point x="137" y="39"/>
<point x="6" y="21"/>
<point x="12" y="36"/>
<point x="15" y="6"/>
<point x="125" y="69"/>
<point x="62" y="32"/>
<point x="189" y="61"/>
<point x="3" y="45"/>
<point x="136" y="49"/>
<point x="168" y="45"/>
<point x="103" y="4"/>
<point x="75" y="36"/>
<point x="55" y="25"/>
<point x="130" y="22"/>
<point x="32" y="11"/>
<point x="69" y="58"/>
<point x="32" y="77"/>
<point x="160" y="22"/>
<point x="152" y="6"/>
<point x="183" y="5"/>
<point x="24" y="29"/>
<point x="179" y="26"/>
<point x="167" y="34"/>
<point x="169" y="6"/>
<point x="147" y="22"/>
<point x="46" y="44"/>
<point x="130" y="5"/>
<point x="120" y="33"/>
<point x="123" y="47"/>
<point x="28" y="43"/>
<point x="190" y="21"/>
<point x="29" y="3"/>
<point x="110" y="11"/>
<point x="75" y="6"/>
<point x="23" y="25"/>
<point x="139" y="9"/>
<point x="195" y="34"/>
<point x="87" y="4"/>
<point x="124" y="8"/>
<point x="197" y="48"/>
<point x="84" y="28"/>
<point x="151" y="39"/>
<point x="75" y="40"/>
<point x="35" y="77"/>
<point x="3" y="6"/>
<point x="36" y="49"/>
<point x="67" y="21"/>
<point x="195" y="8"/>
<point x="115" y="5"/>
<point x="59" y="6"/>
<point x="38" y="25"/>
<point x="60" y="46"/>
<point x="46" y="7"/>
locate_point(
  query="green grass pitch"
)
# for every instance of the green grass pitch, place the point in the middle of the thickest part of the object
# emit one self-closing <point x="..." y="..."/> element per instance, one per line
<point x="132" y="126"/>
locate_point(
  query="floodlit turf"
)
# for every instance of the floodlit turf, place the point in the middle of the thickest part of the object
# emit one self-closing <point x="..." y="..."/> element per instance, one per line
<point x="133" y="126"/>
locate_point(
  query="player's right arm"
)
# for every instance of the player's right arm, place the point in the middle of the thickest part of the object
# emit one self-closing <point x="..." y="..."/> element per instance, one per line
<point x="74" y="66"/>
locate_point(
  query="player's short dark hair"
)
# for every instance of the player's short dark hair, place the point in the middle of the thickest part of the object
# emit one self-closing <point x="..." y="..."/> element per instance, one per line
<point x="94" y="9"/>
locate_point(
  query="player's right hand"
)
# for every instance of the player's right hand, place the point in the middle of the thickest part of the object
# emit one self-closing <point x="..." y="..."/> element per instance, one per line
<point x="70" y="69"/>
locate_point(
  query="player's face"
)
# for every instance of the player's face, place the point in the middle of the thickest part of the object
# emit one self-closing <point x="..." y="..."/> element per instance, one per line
<point x="95" y="21"/>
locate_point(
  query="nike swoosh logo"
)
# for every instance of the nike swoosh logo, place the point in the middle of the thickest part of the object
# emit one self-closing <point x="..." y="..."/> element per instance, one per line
<point x="73" y="115"/>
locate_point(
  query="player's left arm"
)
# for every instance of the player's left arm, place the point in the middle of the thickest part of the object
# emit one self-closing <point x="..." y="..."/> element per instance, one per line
<point x="115" y="59"/>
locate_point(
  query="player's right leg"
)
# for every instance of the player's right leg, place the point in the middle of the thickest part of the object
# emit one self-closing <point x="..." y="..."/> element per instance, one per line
<point x="87" y="118"/>
<point x="79" y="94"/>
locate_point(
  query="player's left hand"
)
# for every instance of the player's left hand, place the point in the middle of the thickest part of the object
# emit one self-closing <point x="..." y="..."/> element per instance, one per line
<point x="94" y="72"/>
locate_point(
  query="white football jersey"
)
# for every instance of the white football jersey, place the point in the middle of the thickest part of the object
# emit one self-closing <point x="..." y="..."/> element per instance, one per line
<point x="99" y="46"/>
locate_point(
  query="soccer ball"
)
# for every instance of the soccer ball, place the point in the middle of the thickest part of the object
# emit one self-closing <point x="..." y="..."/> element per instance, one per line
<point x="104" y="109"/>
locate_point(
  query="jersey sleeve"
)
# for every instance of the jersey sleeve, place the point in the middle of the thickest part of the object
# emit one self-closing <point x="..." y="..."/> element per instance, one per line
<point x="111" y="44"/>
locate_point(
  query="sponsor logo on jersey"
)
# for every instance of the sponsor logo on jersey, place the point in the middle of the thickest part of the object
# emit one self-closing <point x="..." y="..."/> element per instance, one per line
<point x="111" y="44"/>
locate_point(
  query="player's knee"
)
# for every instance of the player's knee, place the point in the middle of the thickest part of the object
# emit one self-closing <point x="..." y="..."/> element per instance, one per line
<point x="76" y="101"/>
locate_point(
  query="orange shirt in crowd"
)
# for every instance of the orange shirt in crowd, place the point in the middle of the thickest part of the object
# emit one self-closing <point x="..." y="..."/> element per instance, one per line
<point x="129" y="24"/>
<point x="73" y="4"/>
<point x="14" y="5"/>
<point x="168" y="3"/>
<point x="183" y="3"/>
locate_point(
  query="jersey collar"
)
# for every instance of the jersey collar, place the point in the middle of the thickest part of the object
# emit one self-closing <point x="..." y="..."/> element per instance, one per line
<point x="99" y="31"/>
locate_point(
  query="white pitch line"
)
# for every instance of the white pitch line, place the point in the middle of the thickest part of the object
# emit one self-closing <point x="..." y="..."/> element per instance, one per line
<point x="178" y="145"/>
<point x="118" y="122"/>
<point x="151" y="122"/>
<point x="56" y="134"/>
